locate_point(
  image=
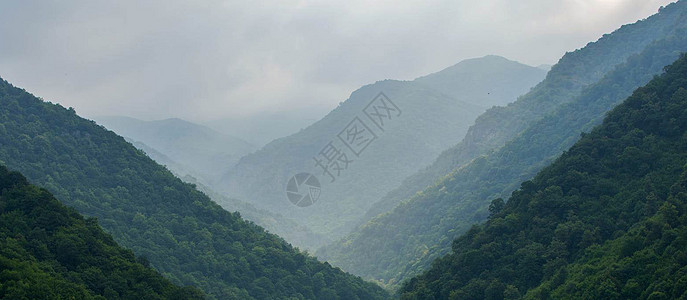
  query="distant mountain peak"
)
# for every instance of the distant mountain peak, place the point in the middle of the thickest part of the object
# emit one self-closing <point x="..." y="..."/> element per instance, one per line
<point x="488" y="63"/>
<point x="198" y="149"/>
<point x="437" y="111"/>
<point x="467" y="76"/>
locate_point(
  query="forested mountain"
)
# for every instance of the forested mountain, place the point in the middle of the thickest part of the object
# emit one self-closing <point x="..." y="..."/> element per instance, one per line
<point x="575" y="72"/>
<point x="390" y="249"/>
<point x="49" y="251"/>
<point x="180" y="231"/>
<point x="176" y="168"/>
<point x="273" y="222"/>
<point x="428" y="112"/>
<point x="197" y="150"/>
<point x="606" y="220"/>
<point x="290" y="230"/>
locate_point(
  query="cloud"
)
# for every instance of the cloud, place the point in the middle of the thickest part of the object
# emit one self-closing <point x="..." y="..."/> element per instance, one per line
<point x="203" y="60"/>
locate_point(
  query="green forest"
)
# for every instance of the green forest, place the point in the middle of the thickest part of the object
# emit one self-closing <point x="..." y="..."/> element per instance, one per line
<point x="438" y="107"/>
<point x="559" y="175"/>
<point x="389" y="249"/>
<point x="180" y="231"/>
<point x="607" y="220"/>
<point x="49" y="251"/>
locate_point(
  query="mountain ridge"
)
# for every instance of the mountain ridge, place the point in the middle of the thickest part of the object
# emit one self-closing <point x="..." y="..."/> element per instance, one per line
<point x="430" y="117"/>
<point x="185" y="236"/>
<point x="452" y="204"/>
<point x="198" y="150"/>
<point x="602" y="221"/>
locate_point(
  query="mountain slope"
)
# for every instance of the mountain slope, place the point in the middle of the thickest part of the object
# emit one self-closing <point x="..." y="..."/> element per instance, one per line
<point x="200" y="151"/>
<point x="606" y="220"/>
<point x="272" y="222"/>
<point x="185" y="236"/>
<point x="176" y="168"/>
<point x="390" y="249"/>
<point x="430" y="114"/>
<point x="262" y="128"/>
<point x="486" y="82"/>
<point x="48" y="251"/>
<point x="575" y="72"/>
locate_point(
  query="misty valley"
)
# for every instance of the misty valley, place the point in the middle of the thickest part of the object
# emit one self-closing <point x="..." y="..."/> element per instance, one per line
<point x="230" y="150"/>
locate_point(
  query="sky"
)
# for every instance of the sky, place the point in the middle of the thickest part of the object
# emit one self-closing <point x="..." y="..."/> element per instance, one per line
<point x="210" y="60"/>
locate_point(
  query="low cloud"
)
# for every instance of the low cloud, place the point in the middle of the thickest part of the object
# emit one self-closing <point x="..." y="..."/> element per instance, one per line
<point x="205" y="60"/>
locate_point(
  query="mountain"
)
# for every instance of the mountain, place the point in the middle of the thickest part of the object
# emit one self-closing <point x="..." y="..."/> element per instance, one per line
<point x="545" y="67"/>
<point x="182" y="233"/>
<point x="606" y="220"/>
<point x="262" y="128"/>
<point x="198" y="150"/>
<point x="400" y="127"/>
<point x="176" y="168"/>
<point x="454" y="192"/>
<point x="290" y="230"/>
<point x="575" y="72"/>
<point x="485" y="82"/>
<point x="271" y="221"/>
<point x="49" y="251"/>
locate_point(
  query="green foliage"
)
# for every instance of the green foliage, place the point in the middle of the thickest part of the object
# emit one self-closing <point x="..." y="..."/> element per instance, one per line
<point x="288" y="229"/>
<point x="178" y="230"/>
<point x="607" y="220"/>
<point x="391" y="249"/>
<point x="48" y="251"/>
<point x="575" y="72"/>
<point x="273" y="222"/>
<point x="496" y="207"/>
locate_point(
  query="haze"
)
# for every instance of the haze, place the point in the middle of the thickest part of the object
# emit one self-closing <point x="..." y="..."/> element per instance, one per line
<point x="239" y="59"/>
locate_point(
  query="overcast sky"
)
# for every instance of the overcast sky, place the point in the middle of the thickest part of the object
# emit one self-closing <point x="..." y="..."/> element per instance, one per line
<point x="204" y="60"/>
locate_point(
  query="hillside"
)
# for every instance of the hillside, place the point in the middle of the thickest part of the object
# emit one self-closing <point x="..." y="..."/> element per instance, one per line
<point x="261" y="128"/>
<point x="606" y="220"/>
<point x="271" y="221"/>
<point x="184" y="235"/>
<point x="485" y="82"/>
<point x="290" y="230"/>
<point x="429" y="113"/>
<point x="176" y="168"/>
<point x="197" y="150"/>
<point x="575" y="72"/>
<point x="48" y="251"/>
<point x="390" y="249"/>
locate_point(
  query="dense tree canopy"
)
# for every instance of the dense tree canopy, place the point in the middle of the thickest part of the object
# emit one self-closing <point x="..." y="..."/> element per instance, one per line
<point x="49" y="251"/>
<point x="607" y="220"/>
<point x="180" y="231"/>
<point x="533" y="131"/>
